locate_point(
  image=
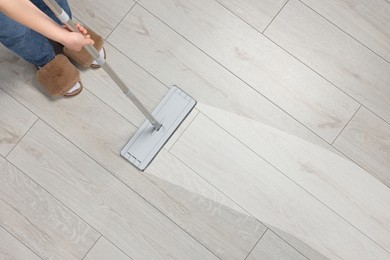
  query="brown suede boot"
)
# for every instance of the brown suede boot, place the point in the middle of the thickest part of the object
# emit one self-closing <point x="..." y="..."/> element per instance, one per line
<point x="83" y="58"/>
<point x="59" y="76"/>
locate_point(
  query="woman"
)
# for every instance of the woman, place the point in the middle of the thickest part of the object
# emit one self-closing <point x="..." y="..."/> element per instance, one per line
<point x="26" y="27"/>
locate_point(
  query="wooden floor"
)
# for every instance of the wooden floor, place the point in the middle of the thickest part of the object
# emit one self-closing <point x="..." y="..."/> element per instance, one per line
<point x="286" y="156"/>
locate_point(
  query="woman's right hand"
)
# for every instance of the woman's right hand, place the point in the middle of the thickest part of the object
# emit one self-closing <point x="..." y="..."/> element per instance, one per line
<point x="75" y="40"/>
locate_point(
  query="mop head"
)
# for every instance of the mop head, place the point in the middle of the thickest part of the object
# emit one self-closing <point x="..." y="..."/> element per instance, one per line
<point x="58" y="76"/>
<point x="147" y="142"/>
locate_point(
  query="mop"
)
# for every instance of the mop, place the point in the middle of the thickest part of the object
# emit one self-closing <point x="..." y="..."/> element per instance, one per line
<point x="160" y="125"/>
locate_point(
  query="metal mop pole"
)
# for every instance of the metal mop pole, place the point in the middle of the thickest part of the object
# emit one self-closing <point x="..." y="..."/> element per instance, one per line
<point x="64" y="18"/>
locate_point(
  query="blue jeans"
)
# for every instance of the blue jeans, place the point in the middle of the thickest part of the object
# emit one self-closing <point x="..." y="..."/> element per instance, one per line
<point x="28" y="44"/>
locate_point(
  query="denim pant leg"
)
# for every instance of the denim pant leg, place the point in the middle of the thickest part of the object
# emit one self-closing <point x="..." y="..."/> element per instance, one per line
<point x="44" y="8"/>
<point x="28" y="44"/>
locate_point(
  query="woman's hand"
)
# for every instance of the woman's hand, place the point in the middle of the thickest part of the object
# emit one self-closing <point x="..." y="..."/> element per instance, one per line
<point x="26" y="13"/>
<point x="75" y="40"/>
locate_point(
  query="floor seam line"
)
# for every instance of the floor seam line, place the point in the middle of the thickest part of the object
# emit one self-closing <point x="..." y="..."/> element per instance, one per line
<point x="30" y="249"/>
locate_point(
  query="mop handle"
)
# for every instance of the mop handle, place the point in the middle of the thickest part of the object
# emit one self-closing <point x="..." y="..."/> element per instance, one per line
<point x="64" y="18"/>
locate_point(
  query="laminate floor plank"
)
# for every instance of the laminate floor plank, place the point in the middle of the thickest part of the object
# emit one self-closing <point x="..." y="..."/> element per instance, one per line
<point x="15" y="120"/>
<point x="104" y="250"/>
<point x="101" y="199"/>
<point x="334" y="180"/>
<point x="303" y="248"/>
<point x="272" y="247"/>
<point x="267" y="68"/>
<point x="259" y="14"/>
<point x="209" y="216"/>
<point x="101" y="16"/>
<point x="175" y="61"/>
<point x="38" y="220"/>
<point x="268" y="194"/>
<point x="366" y="139"/>
<point x="366" y="20"/>
<point x="101" y="133"/>
<point x="334" y="55"/>
<point x="13" y="249"/>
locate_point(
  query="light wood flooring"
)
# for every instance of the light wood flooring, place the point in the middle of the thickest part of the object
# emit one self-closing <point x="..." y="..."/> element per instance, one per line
<point x="286" y="156"/>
